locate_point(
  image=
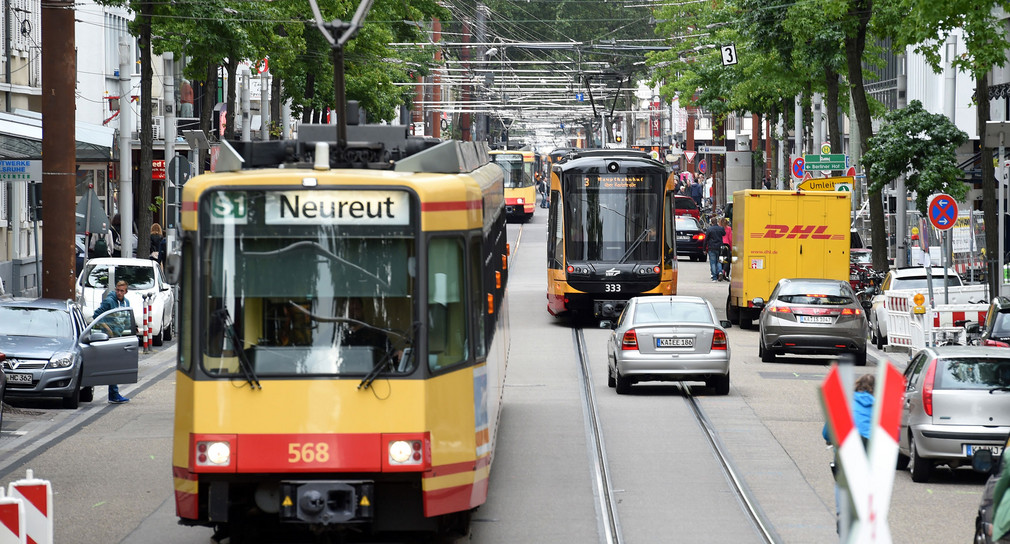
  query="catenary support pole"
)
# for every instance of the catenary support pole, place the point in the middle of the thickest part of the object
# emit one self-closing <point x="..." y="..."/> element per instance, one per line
<point x="125" y="199"/>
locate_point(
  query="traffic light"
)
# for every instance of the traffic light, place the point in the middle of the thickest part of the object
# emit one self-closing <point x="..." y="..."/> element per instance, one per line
<point x="619" y="138"/>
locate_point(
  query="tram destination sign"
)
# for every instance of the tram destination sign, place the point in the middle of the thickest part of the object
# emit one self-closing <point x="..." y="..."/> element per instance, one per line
<point x="337" y="208"/>
<point x="834" y="161"/>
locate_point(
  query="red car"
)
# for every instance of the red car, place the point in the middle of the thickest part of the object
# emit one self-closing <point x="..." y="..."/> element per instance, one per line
<point x="684" y="205"/>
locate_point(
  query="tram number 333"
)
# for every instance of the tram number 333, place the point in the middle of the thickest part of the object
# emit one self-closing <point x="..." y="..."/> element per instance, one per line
<point x="612" y="287"/>
<point x="309" y="452"/>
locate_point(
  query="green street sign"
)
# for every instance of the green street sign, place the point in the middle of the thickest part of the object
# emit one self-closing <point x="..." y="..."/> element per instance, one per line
<point x="816" y="163"/>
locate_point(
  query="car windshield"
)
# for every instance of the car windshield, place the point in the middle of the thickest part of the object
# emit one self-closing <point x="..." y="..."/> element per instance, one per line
<point x="972" y="373"/>
<point x="687" y="223"/>
<point x="921" y="283"/>
<point x="40" y="322"/>
<point x="1001" y="324"/>
<point x="139" y="277"/>
<point x="823" y="294"/>
<point x="685" y="204"/>
<point x="672" y="312"/>
<point x="862" y="258"/>
<point x="97" y="277"/>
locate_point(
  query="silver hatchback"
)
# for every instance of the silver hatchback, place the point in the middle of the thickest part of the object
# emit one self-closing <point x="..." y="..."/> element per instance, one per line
<point x="815" y="316"/>
<point x="668" y="338"/>
<point x="957" y="402"/>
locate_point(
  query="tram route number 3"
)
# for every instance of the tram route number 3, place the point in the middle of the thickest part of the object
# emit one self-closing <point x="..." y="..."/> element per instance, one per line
<point x="612" y="287"/>
<point x="309" y="452"/>
<point x="728" y="55"/>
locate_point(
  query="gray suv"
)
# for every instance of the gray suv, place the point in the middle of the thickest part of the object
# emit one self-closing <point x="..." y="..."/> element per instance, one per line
<point x="51" y="353"/>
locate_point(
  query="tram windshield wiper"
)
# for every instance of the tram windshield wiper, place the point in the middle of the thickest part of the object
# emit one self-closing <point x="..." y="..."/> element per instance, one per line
<point x="387" y="359"/>
<point x="631" y="249"/>
<point x="243" y="361"/>
<point x="1000" y="388"/>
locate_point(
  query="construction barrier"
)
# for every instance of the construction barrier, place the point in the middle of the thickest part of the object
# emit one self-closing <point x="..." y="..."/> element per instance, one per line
<point x="12" y="520"/>
<point x="909" y="330"/>
<point x="37" y="499"/>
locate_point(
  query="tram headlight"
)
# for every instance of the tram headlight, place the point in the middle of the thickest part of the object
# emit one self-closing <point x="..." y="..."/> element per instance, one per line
<point x="399" y="451"/>
<point x="213" y="453"/>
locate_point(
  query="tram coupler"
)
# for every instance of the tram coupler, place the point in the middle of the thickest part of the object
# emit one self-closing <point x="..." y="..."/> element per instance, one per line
<point x="327" y="502"/>
<point x="608" y="309"/>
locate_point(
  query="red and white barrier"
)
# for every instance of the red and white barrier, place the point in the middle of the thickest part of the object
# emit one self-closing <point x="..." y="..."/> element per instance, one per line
<point x="12" y="520"/>
<point x="147" y="323"/>
<point x="38" y="507"/>
<point x="951" y="314"/>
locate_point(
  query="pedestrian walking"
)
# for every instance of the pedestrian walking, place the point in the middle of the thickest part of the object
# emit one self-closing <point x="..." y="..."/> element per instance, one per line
<point x="713" y="244"/>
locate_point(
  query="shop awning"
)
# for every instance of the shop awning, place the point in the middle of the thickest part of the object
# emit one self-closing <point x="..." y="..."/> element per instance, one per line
<point x="21" y="138"/>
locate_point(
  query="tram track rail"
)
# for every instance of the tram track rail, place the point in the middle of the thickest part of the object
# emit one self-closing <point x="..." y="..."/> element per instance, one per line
<point x="609" y="521"/>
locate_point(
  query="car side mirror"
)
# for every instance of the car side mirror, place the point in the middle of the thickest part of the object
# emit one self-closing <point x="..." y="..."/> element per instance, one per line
<point x="726" y="323"/>
<point x="94" y="336"/>
<point x="981" y="461"/>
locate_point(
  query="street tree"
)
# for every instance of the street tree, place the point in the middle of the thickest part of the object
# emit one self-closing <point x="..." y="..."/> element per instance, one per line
<point x="986" y="42"/>
<point x="922" y="146"/>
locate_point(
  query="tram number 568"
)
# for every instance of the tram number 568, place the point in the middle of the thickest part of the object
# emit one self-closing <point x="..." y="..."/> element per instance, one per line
<point x="612" y="287"/>
<point x="309" y="452"/>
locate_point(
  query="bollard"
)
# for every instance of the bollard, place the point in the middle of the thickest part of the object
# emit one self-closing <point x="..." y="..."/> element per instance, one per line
<point x="144" y="326"/>
<point x="150" y="319"/>
<point x="38" y="503"/>
<point x="12" y="520"/>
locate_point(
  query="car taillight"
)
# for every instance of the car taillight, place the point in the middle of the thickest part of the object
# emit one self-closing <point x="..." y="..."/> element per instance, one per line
<point x="927" y="389"/>
<point x="779" y="309"/>
<point x="851" y="311"/>
<point x="718" y="340"/>
<point x="699" y="237"/>
<point x="630" y="340"/>
<point x="995" y="343"/>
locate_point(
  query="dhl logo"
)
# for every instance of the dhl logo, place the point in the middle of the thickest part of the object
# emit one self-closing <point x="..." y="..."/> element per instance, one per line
<point x="814" y="232"/>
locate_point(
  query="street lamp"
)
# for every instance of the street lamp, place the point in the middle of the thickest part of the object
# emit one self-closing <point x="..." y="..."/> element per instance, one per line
<point x="997" y="134"/>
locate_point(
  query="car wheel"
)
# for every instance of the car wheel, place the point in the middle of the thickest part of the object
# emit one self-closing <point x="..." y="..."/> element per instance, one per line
<point x="745" y="320"/>
<point x="167" y="333"/>
<point x="73" y="400"/>
<point x="623" y="384"/>
<point x="861" y="358"/>
<point x="719" y="383"/>
<point x="159" y="338"/>
<point x="918" y="466"/>
<point x="611" y="382"/>
<point x="879" y="342"/>
<point x="767" y="356"/>
<point x="902" y="463"/>
<point x="87" y="394"/>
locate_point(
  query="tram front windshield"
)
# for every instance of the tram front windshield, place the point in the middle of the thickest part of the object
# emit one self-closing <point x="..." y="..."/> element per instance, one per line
<point x="518" y="174"/>
<point x="612" y="217"/>
<point x="297" y="282"/>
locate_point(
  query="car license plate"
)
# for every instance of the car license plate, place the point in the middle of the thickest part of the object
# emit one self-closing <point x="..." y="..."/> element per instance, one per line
<point x="816" y="319"/>
<point x="17" y="377"/>
<point x="683" y="238"/>
<point x="675" y="342"/>
<point x="969" y="449"/>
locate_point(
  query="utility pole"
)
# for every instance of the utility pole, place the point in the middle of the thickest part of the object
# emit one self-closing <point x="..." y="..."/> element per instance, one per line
<point x="900" y="220"/>
<point x="59" y="82"/>
<point x="125" y="151"/>
<point x="245" y="74"/>
<point x="265" y="104"/>
<point x="168" y="79"/>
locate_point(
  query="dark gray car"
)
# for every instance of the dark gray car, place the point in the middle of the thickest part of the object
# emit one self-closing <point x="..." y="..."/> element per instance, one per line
<point x="51" y="353"/>
<point x="815" y="316"/>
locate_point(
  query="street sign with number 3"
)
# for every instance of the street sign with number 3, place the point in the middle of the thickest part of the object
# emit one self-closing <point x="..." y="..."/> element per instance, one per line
<point x="728" y="55"/>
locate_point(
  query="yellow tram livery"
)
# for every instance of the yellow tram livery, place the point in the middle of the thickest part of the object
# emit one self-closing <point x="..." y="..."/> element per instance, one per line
<point x="520" y="182"/>
<point x="344" y="336"/>
<point x="610" y="232"/>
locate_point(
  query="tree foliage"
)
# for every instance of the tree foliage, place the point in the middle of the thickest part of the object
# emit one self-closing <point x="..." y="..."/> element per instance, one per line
<point x="922" y="146"/>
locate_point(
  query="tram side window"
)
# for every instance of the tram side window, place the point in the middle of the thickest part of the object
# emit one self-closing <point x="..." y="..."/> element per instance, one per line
<point x="447" y="325"/>
<point x="479" y="302"/>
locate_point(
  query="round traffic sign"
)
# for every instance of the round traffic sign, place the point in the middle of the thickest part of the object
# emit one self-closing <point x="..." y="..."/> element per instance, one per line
<point x="826" y="148"/>
<point x="942" y="211"/>
<point x="702" y="166"/>
<point x="798" y="167"/>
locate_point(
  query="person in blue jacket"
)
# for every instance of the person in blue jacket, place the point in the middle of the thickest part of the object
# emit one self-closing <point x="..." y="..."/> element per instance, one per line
<point x="115" y="299"/>
<point x="862" y="417"/>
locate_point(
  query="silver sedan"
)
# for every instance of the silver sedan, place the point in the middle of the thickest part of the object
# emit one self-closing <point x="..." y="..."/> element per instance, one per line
<point x="668" y="338"/>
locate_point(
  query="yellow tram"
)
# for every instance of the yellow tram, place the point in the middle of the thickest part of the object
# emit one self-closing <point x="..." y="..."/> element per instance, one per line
<point x="344" y="337"/>
<point x="520" y="182"/>
<point x="610" y="232"/>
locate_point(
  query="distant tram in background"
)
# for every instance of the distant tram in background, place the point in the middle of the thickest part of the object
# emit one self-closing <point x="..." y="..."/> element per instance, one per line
<point x="610" y="232"/>
<point x="520" y="182"/>
<point x="343" y="339"/>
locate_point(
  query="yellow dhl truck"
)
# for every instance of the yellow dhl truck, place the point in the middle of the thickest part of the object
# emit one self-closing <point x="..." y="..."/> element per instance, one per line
<point x="784" y="234"/>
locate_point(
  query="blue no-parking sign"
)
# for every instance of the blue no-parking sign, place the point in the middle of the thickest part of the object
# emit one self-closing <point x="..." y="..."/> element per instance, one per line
<point x="942" y="211"/>
<point x="702" y="166"/>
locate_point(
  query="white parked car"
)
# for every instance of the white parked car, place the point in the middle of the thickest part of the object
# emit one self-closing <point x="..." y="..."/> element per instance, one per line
<point x="144" y="276"/>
